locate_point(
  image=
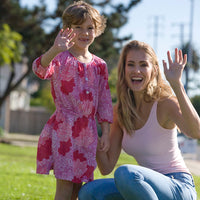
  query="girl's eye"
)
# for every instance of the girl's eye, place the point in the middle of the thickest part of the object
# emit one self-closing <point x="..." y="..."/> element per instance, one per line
<point x="77" y="27"/>
<point x="91" y="27"/>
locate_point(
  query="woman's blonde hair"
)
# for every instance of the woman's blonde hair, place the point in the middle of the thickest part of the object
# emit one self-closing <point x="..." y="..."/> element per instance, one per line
<point x="77" y="13"/>
<point x="156" y="89"/>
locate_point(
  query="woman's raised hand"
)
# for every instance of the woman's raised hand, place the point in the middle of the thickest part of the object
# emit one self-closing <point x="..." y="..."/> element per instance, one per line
<point x="173" y="72"/>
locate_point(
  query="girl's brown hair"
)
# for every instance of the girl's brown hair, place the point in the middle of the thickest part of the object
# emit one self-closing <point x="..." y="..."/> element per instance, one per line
<point x="156" y="89"/>
<point x="77" y="13"/>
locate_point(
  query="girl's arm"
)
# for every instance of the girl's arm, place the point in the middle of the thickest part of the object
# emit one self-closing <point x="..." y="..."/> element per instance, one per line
<point x="106" y="160"/>
<point x="104" y="142"/>
<point x="61" y="43"/>
<point x="182" y="112"/>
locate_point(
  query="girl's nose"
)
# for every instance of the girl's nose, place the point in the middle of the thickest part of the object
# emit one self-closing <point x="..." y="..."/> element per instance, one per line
<point x="86" y="32"/>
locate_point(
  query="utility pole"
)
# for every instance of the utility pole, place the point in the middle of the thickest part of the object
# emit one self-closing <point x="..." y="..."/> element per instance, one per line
<point x="193" y="142"/>
<point x="190" y="46"/>
<point x="156" y="25"/>
<point x="156" y="28"/>
<point x="181" y="36"/>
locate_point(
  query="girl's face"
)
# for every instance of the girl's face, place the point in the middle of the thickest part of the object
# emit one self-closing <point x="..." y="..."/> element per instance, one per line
<point x="85" y="34"/>
<point x="138" y="70"/>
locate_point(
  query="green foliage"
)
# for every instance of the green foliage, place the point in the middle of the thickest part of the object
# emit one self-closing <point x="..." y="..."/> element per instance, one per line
<point x="112" y="80"/>
<point x="47" y="99"/>
<point x="28" y="23"/>
<point x="196" y="103"/>
<point x="44" y="97"/>
<point x="1" y="132"/>
<point x="11" y="45"/>
<point x="190" y="66"/>
<point x="195" y="57"/>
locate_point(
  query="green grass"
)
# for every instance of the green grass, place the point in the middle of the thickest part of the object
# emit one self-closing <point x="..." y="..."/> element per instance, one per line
<point x="18" y="179"/>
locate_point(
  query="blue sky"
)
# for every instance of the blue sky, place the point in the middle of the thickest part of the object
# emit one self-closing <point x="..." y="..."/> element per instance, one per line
<point x="170" y="14"/>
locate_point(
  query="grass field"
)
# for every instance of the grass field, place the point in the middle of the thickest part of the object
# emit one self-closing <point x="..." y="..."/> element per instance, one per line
<point x="18" y="180"/>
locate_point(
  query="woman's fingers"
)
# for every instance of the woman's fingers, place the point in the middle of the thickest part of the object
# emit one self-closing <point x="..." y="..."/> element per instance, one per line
<point x="169" y="58"/>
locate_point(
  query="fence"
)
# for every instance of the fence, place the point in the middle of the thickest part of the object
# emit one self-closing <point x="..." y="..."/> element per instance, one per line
<point x="28" y="122"/>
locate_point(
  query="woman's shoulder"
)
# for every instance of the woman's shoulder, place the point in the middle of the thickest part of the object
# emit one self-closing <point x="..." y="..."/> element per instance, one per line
<point x="167" y="103"/>
<point x="165" y="109"/>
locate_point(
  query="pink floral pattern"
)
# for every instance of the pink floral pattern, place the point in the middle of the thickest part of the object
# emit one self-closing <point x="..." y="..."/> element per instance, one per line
<point x="68" y="141"/>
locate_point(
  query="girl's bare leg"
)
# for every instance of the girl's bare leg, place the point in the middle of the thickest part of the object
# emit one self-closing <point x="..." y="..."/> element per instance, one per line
<point x="63" y="189"/>
<point x="76" y="188"/>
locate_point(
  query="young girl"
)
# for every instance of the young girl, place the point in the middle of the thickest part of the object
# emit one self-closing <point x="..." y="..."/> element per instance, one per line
<point x="79" y="85"/>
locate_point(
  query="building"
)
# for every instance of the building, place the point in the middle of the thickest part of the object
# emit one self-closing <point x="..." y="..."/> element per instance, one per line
<point x="16" y="115"/>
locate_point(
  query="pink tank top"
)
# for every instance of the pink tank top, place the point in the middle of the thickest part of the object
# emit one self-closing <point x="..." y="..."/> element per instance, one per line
<point x="155" y="147"/>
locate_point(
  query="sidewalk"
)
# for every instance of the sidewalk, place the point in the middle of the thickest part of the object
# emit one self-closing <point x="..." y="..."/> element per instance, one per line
<point x="193" y="162"/>
<point x="194" y="166"/>
<point x="19" y="139"/>
<point x="31" y="140"/>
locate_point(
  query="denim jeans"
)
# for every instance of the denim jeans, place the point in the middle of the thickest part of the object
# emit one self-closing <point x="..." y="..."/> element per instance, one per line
<point x="139" y="183"/>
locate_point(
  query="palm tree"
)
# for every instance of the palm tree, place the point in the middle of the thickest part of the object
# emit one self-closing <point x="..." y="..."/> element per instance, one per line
<point x="195" y="66"/>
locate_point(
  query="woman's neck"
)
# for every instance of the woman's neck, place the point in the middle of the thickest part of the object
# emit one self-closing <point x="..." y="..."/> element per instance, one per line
<point x="139" y="99"/>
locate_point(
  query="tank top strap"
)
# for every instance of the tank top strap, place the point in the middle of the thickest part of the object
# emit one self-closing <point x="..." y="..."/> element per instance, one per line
<point x="153" y="115"/>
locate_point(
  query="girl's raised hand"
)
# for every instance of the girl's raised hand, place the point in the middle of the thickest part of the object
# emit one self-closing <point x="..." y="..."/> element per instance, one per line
<point x="64" y="39"/>
<point x="173" y="73"/>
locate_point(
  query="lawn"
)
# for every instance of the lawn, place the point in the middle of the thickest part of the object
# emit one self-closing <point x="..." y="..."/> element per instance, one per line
<point x="18" y="180"/>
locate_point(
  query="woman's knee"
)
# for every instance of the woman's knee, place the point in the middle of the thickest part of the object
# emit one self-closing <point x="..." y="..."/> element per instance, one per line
<point x="86" y="192"/>
<point x="99" y="189"/>
<point x="126" y="173"/>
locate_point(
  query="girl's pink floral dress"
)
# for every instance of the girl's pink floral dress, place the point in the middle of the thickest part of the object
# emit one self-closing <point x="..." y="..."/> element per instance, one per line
<point x="68" y="141"/>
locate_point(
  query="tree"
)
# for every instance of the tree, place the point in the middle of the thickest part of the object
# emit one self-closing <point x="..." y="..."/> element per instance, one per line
<point x="112" y="81"/>
<point x="196" y="103"/>
<point x="194" y="66"/>
<point x="11" y="47"/>
<point x="10" y="53"/>
<point x="26" y="23"/>
<point x="31" y="22"/>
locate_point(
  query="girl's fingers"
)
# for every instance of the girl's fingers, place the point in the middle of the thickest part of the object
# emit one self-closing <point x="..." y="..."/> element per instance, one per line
<point x="72" y="36"/>
<point x="69" y="34"/>
<point x="68" y="31"/>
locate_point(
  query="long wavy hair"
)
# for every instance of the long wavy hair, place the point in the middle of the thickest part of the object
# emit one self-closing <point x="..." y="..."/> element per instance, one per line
<point x="156" y="89"/>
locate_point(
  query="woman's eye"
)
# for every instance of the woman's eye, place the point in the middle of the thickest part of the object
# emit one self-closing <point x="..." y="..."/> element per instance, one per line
<point x="144" y="64"/>
<point x="130" y="64"/>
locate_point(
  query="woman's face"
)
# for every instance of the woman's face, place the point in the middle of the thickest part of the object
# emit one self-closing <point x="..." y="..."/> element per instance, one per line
<point x="138" y="70"/>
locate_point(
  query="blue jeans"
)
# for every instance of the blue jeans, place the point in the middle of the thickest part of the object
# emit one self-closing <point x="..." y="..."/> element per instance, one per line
<point x="133" y="182"/>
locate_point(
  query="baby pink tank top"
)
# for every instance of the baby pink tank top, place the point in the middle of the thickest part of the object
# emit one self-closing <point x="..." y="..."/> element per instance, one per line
<point x="155" y="147"/>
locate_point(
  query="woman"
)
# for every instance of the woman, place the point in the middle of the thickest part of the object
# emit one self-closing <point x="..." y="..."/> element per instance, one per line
<point x="146" y="119"/>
